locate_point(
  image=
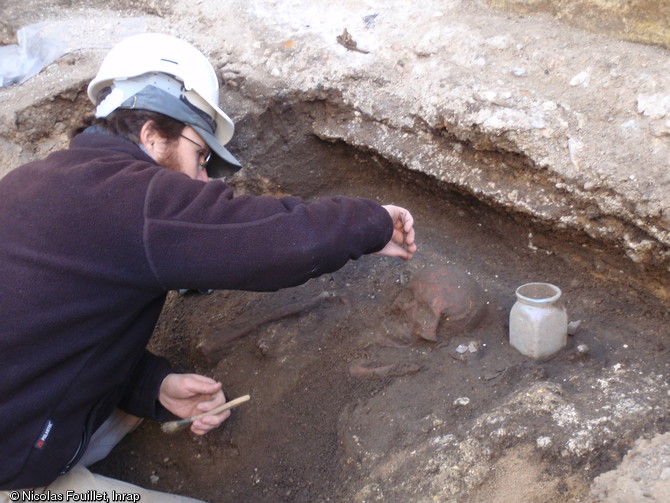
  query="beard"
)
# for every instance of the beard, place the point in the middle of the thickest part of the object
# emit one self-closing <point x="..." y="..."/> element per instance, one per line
<point x="170" y="158"/>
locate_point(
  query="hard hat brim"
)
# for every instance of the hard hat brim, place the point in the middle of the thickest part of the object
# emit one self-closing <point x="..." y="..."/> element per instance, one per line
<point x="218" y="149"/>
<point x="157" y="100"/>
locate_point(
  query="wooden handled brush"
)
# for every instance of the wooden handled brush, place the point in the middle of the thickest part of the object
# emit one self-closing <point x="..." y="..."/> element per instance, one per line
<point x="174" y="426"/>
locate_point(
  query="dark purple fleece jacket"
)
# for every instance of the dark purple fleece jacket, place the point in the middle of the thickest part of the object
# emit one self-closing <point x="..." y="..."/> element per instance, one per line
<point x="91" y="240"/>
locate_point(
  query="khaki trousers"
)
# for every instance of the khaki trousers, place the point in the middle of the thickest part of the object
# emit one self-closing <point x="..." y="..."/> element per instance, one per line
<point x="79" y="484"/>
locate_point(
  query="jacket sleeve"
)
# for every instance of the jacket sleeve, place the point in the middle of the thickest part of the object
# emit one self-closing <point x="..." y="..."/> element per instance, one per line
<point x="197" y="235"/>
<point x="141" y="396"/>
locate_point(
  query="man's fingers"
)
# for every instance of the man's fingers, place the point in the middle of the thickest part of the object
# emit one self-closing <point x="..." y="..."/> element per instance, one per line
<point x="401" y="236"/>
<point x="402" y="242"/>
<point x="212" y="402"/>
<point x="407" y="220"/>
<point x="409" y="238"/>
<point x="208" y="423"/>
<point x="202" y="385"/>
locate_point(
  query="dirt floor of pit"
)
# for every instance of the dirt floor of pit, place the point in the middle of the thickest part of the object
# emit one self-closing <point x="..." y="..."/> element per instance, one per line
<point x="289" y="443"/>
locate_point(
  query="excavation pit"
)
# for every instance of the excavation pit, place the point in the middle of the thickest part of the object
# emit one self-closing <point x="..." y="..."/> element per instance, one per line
<point x="338" y="414"/>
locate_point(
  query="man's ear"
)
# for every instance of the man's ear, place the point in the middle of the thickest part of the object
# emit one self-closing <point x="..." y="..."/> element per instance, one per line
<point x="150" y="139"/>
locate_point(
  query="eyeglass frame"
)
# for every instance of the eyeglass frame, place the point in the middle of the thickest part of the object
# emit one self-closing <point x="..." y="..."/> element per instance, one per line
<point x="201" y="165"/>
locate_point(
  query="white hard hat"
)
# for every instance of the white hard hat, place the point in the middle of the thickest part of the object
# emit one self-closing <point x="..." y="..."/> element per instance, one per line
<point x="174" y="67"/>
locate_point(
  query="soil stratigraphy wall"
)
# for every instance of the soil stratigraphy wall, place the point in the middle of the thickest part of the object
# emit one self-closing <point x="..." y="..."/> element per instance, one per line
<point x="557" y="124"/>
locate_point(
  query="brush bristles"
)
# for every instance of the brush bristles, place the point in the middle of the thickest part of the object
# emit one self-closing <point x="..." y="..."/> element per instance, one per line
<point x="174" y="426"/>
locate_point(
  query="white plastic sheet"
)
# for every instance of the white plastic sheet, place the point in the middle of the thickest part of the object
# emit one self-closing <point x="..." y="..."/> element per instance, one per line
<point x="43" y="43"/>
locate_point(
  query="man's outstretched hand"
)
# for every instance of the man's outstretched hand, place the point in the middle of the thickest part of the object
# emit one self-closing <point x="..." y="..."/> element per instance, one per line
<point x="402" y="241"/>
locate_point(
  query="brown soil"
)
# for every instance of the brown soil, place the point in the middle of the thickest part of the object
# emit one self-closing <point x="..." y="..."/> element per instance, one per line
<point x="299" y="438"/>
